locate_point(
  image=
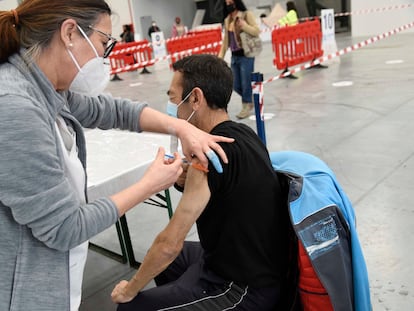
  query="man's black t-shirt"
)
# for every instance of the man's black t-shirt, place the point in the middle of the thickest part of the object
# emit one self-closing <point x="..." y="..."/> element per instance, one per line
<point x="240" y="229"/>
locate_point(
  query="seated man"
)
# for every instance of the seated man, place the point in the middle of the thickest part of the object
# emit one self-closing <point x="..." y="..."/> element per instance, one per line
<point x="241" y="257"/>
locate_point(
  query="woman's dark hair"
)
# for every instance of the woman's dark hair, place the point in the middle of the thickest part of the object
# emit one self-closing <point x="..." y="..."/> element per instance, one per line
<point x="239" y="6"/>
<point x="290" y="5"/>
<point x="211" y="74"/>
<point x="33" y="23"/>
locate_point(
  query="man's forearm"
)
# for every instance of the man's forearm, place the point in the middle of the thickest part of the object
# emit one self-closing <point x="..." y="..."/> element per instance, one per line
<point x="161" y="254"/>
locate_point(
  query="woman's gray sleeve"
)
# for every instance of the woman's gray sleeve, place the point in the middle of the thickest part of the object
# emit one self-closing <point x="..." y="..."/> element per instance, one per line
<point x="33" y="183"/>
<point x="106" y="112"/>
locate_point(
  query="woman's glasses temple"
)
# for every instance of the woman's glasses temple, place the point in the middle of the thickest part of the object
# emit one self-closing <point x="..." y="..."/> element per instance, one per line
<point x="111" y="39"/>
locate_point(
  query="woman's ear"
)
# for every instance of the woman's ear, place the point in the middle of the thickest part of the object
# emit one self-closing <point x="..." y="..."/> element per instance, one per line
<point x="67" y="29"/>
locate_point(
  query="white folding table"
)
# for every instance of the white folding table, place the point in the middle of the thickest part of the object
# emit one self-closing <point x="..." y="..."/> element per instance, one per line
<point x="115" y="160"/>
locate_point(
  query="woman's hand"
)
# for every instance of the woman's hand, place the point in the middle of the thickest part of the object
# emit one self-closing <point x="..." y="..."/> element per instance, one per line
<point x="119" y="293"/>
<point x="240" y="22"/>
<point x="202" y="145"/>
<point x="162" y="173"/>
<point x="194" y="141"/>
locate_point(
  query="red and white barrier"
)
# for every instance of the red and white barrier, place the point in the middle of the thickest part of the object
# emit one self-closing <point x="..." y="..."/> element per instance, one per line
<point x="206" y="47"/>
<point x="196" y="50"/>
<point x="377" y="10"/>
<point x="134" y="55"/>
<point x="258" y="89"/>
<point x="342" y="52"/>
<point x="297" y="44"/>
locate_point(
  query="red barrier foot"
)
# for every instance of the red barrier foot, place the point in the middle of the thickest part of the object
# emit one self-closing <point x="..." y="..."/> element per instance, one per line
<point x="116" y="78"/>
<point x="291" y="76"/>
<point x="145" y="71"/>
<point x="319" y="66"/>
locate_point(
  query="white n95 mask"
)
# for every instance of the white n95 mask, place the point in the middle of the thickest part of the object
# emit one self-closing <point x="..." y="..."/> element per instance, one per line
<point x="93" y="77"/>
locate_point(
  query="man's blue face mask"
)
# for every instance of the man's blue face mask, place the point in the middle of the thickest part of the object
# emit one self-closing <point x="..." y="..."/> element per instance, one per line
<point x="211" y="155"/>
<point x="172" y="108"/>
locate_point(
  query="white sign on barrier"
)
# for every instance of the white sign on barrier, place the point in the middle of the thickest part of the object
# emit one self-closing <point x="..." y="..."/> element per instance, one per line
<point x="328" y="22"/>
<point x="328" y="33"/>
<point x="159" y="48"/>
<point x="158" y="44"/>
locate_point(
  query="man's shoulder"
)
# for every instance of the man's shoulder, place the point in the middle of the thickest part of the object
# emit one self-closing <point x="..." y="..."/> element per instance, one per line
<point x="243" y="135"/>
<point x="227" y="127"/>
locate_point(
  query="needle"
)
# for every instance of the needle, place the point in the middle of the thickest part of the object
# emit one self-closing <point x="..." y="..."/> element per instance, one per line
<point x="195" y="165"/>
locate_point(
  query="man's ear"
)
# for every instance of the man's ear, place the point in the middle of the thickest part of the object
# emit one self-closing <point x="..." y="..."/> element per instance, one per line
<point x="197" y="98"/>
<point x="67" y="30"/>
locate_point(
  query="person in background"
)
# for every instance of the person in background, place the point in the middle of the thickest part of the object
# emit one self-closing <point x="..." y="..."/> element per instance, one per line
<point x="263" y="24"/>
<point x="291" y="18"/>
<point x="178" y="29"/>
<point x="239" y="19"/>
<point x="242" y="254"/>
<point x="127" y="35"/>
<point x="52" y="75"/>
<point x="154" y="28"/>
<point x="313" y="7"/>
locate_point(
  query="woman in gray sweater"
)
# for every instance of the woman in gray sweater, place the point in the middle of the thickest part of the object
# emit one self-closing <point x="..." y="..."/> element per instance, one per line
<point x="51" y="62"/>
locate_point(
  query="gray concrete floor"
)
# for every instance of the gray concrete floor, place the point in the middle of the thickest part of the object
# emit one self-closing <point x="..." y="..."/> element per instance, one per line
<point x="362" y="131"/>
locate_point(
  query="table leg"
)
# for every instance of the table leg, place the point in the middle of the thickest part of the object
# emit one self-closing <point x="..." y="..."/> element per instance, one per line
<point x="111" y="254"/>
<point x="124" y="237"/>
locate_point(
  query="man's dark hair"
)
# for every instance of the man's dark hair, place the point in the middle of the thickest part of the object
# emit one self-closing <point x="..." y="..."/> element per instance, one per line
<point x="211" y="74"/>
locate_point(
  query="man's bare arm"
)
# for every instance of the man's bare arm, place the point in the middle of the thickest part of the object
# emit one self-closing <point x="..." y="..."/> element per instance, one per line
<point x="168" y="243"/>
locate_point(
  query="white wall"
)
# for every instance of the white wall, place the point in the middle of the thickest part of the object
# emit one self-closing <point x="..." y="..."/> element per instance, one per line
<point x="120" y="9"/>
<point x="130" y="11"/>
<point x="120" y="15"/>
<point x="261" y="3"/>
<point x="6" y="5"/>
<point x="362" y="24"/>
<point x="378" y="23"/>
<point x="163" y="12"/>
